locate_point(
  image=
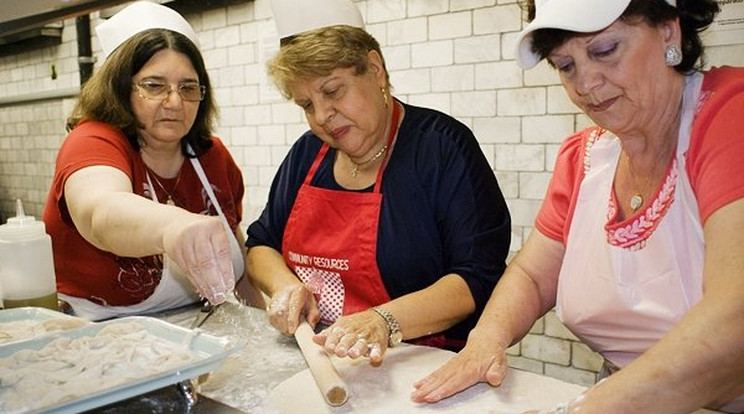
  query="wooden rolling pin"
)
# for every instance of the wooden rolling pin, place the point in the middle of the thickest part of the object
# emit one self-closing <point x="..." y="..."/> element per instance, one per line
<point x="329" y="382"/>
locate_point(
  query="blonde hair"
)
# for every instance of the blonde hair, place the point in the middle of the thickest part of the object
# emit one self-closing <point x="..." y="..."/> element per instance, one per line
<point x="318" y="52"/>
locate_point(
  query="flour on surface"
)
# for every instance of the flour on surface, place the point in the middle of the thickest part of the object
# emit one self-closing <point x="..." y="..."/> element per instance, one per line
<point x="387" y="389"/>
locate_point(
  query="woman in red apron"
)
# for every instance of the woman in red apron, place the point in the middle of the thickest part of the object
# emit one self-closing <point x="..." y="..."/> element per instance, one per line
<point x="385" y="222"/>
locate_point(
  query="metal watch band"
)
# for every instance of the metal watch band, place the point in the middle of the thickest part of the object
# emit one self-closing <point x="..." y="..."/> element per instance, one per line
<point x="394" y="334"/>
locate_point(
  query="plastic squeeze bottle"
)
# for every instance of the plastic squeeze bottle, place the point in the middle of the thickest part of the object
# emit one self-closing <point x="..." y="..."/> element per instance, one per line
<point x="26" y="264"/>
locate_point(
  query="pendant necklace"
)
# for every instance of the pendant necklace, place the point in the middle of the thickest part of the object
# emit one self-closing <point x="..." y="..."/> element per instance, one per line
<point x="637" y="200"/>
<point x="355" y="167"/>
<point x="169" y="201"/>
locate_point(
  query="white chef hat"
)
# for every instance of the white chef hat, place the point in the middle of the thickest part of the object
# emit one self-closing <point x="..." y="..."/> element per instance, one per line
<point x="582" y="16"/>
<point x="297" y="16"/>
<point x="138" y="17"/>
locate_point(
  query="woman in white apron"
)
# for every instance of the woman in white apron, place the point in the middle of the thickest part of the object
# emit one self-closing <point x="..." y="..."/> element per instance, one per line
<point x="174" y="289"/>
<point x="638" y="242"/>
<point x="135" y="228"/>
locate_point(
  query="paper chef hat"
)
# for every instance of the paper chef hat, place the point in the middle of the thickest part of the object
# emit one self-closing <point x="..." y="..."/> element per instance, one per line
<point x="297" y="16"/>
<point x="138" y="17"/>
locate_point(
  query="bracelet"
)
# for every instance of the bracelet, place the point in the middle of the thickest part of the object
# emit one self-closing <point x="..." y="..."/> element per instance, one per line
<point x="395" y="336"/>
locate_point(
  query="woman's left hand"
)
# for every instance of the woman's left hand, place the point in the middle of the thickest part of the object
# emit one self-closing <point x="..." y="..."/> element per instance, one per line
<point x="363" y="334"/>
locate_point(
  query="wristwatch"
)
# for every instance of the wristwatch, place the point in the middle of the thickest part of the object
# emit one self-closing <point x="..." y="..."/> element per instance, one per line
<point x="395" y="336"/>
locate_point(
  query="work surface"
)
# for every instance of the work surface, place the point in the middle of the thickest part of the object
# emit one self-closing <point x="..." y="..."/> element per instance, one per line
<point x="268" y="376"/>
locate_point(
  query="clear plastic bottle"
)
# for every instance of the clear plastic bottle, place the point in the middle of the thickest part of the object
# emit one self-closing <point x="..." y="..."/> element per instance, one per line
<point x="26" y="263"/>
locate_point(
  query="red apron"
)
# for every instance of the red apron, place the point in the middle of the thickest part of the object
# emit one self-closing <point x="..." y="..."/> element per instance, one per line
<point x="330" y="242"/>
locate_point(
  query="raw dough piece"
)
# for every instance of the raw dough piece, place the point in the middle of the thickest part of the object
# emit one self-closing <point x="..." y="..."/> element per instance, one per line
<point x="68" y="368"/>
<point x="387" y="389"/>
<point x="29" y="329"/>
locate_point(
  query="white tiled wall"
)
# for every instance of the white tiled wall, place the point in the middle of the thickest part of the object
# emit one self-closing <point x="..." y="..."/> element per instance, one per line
<point x="452" y="55"/>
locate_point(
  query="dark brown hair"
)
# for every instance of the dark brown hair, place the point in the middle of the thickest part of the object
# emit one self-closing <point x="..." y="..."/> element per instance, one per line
<point x="105" y="96"/>
<point x="694" y="17"/>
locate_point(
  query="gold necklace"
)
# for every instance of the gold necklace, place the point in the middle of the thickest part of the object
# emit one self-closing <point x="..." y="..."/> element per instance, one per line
<point x="355" y="167"/>
<point x="637" y="200"/>
<point x="169" y="201"/>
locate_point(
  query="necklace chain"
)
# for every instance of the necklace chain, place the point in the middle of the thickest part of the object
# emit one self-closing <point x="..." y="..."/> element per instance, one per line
<point x="637" y="200"/>
<point x="170" y="200"/>
<point x="356" y="165"/>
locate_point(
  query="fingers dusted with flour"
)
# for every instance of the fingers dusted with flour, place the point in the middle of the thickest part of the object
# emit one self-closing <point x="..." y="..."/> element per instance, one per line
<point x="291" y="305"/>
<point x="362" y="334"/>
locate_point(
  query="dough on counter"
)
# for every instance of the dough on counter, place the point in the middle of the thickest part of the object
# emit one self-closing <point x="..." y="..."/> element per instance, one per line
<point x="387" y="389"/>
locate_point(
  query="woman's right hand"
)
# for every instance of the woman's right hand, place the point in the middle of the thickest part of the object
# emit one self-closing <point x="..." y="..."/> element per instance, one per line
<point x="112" y="218"/>
<point x="482" y="360"/>
<point x="200" y="248"/>
<point x="288" y="305"/>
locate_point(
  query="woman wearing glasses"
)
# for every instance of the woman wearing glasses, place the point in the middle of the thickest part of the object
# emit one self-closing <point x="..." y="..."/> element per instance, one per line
<point x="145" y="203"/>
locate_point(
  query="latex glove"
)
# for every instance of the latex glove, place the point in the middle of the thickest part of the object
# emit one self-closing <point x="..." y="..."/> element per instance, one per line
<point x="363" y="334"/>
<point x="200" y="249"/>
<point x="482" y="360"/>
<point x="288" y="305"/>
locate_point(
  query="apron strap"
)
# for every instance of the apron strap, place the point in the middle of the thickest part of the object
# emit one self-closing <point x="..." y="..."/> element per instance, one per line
<point x="208" y="188"/>
<point x="236" y="251"/>
<point x="316" y="163"/>
<point x="153" y="196"/>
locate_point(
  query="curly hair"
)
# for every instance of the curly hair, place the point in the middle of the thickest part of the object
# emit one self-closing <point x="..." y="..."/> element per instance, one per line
<point x="694" y="17"/>
<point x="318" y="52"/>
<point x="106" y="95"/>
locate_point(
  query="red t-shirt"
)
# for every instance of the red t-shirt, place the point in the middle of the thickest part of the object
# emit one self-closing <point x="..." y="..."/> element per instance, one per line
<point x="83" y="270"/>
<point x="713" y="160"/>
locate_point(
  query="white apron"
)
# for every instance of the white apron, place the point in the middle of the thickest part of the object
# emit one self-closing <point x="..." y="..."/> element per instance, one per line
<point x="174" y="289"/>
<point x="621" y="301"/>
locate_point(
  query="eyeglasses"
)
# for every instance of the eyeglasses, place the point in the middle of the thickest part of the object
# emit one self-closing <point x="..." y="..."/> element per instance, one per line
<point x="189" y="91"/>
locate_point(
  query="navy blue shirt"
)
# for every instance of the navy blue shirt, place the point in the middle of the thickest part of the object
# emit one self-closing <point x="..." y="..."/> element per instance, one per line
<point x="442" y="209"/>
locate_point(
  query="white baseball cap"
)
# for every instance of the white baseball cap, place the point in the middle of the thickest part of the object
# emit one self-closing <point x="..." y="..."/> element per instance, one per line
<point x="297" y="16"/>
<point x="582" y="16"/>
<point x="138" y="17"/>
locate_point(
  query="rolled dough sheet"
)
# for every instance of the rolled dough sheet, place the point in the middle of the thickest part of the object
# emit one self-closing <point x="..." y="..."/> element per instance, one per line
<point x="387" y="389"/>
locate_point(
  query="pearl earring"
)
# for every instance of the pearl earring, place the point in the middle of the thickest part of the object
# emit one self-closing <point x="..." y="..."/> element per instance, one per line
<point x="673" y="55"/>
